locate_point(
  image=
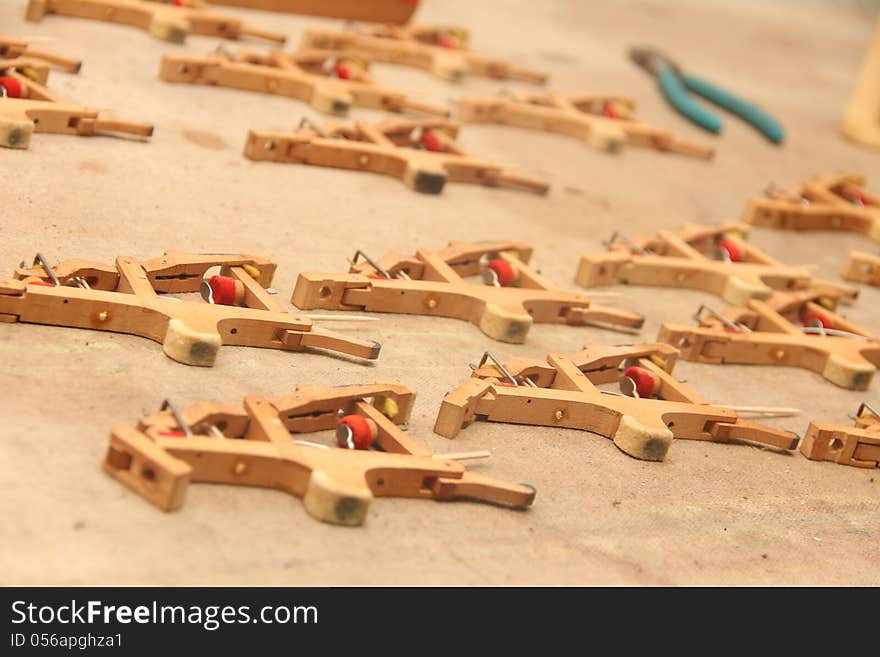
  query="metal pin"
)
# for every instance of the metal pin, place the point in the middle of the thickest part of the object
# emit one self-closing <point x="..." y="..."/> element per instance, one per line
<point x="306" y="122"/>
<point x="617" y="236"/>
<point x="206" y="291"/>
<point x="613" y="392"/>
<point x="739" y="328"/>
<point x="774" y="191"/>
<point x="628" y="387"/>
<point x="168" y="406"/>
<point x="215" y="432"/>
<point x="488" y="355"/>
<point x="865" y="406"/>
<point x="40" y="260"/>
<point x="221" y="50"/>
<point x="724" y="255"/>
<point x="375" y="265"/>
<point x="309" y="443"/>
<point x="821" y="330"/>
<point x="79" y="281"/>
<point x="345" y="436"/>
<point x="415" y="138"/>
<point x="853" y="195"/>
<point x="490" y="277"/>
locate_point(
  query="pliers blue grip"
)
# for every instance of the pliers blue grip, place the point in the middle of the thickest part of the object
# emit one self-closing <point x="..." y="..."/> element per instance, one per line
<point x="675" y="86"/>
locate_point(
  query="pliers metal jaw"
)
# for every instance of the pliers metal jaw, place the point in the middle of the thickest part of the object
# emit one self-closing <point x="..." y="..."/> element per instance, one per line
<point x="675" y="85"/>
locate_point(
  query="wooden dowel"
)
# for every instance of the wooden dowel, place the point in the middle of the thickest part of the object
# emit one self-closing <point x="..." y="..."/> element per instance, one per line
<point x="520" y="182"/>
<point x="526" y="75"/>
<point x="125" y="127"/>
<point x="274" y="37"/>
<point x="341" y="318"/>
<point x="687" y="148"/>
<point x="65" y="63"/>
<point x="779" y="411"/>
<point x="463" y="456"/>
<point x="424" y="108"/>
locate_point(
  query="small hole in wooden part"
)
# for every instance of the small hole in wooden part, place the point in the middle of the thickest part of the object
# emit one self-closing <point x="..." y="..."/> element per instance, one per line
<point x="380" y="481"/>
<point x="233" y="331"/>
<point x="183" y="69"/>
<point x="269" y="145"/>
<point x="325" y="292"/>
<point x="428" y="484"/>
<point x="148" y="473"/>
<point x="836" y="444"/>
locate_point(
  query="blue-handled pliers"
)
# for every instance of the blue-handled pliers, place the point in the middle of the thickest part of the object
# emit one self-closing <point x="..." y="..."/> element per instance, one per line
<point x="675" y="84"/>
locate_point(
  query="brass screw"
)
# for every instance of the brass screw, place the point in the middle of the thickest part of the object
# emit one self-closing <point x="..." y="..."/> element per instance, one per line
<point x="103" y="316"/>
<point x="240" y="468"/>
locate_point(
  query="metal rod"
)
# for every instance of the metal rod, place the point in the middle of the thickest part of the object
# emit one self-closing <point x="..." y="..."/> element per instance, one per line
<point x="617" y="236"/>
<point x="865" y="406"/>
<point x="168" y="406"/>
<point x="821" y="330"/>
<point x="488" y="355"/>
<point x="375" y="265"/>
<point x="739" y="328"/>
<point x="39" y="259"/>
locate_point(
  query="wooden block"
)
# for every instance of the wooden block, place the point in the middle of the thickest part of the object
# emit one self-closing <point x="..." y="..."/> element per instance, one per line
<point x="191" y="347"/>
<point x="335" y="502"/>
<point x="15" y="133"/>
<point x="147" y="469"/>
<point x="169" y="27"/>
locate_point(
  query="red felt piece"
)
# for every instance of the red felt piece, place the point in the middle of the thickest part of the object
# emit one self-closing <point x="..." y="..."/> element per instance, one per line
<point x="824" y="320"/>
<point x="504" y="271"/>
<point x="431" y="141"/>
<point x="361" y="435"/>
<point x="643" y="379"/>
<point x="12" y="86"/>
<point x="733" y="249"/>
<point x="223" y="290"/>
